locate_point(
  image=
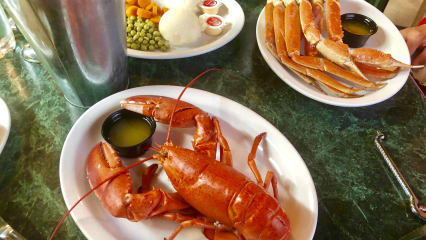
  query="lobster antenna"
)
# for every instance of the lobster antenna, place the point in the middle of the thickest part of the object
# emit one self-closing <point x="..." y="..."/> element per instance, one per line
<point x="96" y="187"/>
<point x="181" y="93"/>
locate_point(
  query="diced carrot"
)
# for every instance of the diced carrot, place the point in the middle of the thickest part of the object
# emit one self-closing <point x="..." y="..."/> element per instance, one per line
<point x="127" y="5"/>
<point x="131" y="11"/>
<point x="155" y="10"/>
<point x="143" y="3"/>
<point x="156" y="19"/>
<point x="149" y="7"/>
<point x="144" y="13"/>
<point x="131" y="2"/>
<point x="165" y="10"/>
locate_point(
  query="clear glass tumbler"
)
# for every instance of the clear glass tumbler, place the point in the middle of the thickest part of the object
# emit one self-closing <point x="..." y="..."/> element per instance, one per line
<point x="7" y="232"/>
<point x="7" y="39"/>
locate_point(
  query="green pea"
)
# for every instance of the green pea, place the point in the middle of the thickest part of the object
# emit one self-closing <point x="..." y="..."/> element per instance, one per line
<point x="151" y="24"/>
<point x="161" y="43"/>
<point x="145" y="42"/>
<point x="157" y="39"/>
<point x="132" y="33"/>
<point x="139" y="28"/>
<point x="134" y="46"/>
<point x="156" y="46"/>
<point x="129" y="39"/>
<point x="148" y="35"/>
<point x="144" y="48"/>
<point x="146" y="27"/>
<point x="147" y="21"/>
<point x="128" y="29"/>
<point x="146" y="38"/>
<point x="151" y="30"/>
<point x="139" y="18"/>
<point x="152" y="42"/>
<point x="163" y="48"/>
<point x="151" y="48"/>
<point x="128" y="45"/>
<point x="130" y="25"/>
<point x="140" y="40"/>
<point x="156" y="33"/>
<point x="132" y="18"/>
<point x="136" y="37"/>
<point x="142" y="34"/>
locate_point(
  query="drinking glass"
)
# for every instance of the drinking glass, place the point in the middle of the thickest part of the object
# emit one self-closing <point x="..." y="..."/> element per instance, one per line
<point x="7" y="39"/>
<point x="7" y="232"/>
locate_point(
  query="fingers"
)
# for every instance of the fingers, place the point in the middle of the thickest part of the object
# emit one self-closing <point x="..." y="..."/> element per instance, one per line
<point x="415" y="37"/>
<point x="421" y="58"/>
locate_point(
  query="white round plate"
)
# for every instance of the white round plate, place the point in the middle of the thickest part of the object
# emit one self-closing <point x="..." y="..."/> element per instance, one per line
<point x="233" y="15"/>
<point x="4" y="124"/>
<point x="239" y="125"/>
<point x="387" y="39"/>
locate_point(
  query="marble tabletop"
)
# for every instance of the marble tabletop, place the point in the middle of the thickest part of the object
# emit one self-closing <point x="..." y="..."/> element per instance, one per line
<point x="358" y="197"/>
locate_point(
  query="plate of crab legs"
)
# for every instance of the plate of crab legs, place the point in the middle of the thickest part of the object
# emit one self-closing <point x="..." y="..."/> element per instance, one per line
<point x="302" y="43"/>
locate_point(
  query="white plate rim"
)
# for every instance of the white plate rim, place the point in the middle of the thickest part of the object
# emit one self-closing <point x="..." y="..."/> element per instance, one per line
<point x="294" y="82"/>
<point x="167" y="88"/>
<point x="233" y="6"/>
<point x="5" y="121"/>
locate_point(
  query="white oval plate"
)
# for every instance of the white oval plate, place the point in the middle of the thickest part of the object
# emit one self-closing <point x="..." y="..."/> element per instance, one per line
<point x="387" y="39"/>
<point x="4" y="124"/>
<point x="239" y="124"/>
<point x="233" y="14"/>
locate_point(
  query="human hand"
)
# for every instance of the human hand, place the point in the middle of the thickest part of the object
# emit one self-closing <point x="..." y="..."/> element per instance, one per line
<point x="416" y="42"/>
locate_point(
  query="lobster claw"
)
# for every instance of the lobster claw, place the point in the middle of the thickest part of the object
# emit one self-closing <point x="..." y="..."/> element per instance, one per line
<point x="116" y="195"/>
<point x="161" y="109"/>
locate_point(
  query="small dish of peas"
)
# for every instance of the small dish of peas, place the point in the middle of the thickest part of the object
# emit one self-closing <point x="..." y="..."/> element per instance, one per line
<point x="144" y="35"/>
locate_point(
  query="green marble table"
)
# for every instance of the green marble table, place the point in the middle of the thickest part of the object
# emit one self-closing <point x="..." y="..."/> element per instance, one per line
<point x="358" y="197"/>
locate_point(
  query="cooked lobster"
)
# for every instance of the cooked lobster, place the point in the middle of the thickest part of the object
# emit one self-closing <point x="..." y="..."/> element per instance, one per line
<point x="228" y="205"/>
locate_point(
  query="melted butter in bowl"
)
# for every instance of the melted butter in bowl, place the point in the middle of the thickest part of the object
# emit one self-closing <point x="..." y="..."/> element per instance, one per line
<point x="357" y="29"/>
<point x="129" y="133"/>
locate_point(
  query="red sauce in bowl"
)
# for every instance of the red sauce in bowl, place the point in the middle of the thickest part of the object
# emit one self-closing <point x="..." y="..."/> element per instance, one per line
<point x="214" y="21"/>
<point x="209" y="3"/>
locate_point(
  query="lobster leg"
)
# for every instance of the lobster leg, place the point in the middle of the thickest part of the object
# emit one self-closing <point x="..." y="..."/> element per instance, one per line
<point x="116" y="195"/>
<point x="225" y="151"/>
<point x="271" y="178"/>
<point x="252" y="155"/>
<point x="205" y="135"/>
<point x="147" y="178"/>
<point x="194" y="222"/>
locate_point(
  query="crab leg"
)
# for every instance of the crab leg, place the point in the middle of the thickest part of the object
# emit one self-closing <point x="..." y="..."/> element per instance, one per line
<point x="312" y="34"/>
<point x="279" y="33"/>
<point x="269" y="26"/>
<point x="378" y="59"/>
<point x="336" y="51"/>
<point x="375" y="73"/>
<point x="333" y="21"/>
<point x="317" y="12"/>
<point x="280" y="25"/>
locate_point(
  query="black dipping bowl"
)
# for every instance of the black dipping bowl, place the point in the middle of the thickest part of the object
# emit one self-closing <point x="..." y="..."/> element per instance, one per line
<point x="355" y="40"/>
<point x="131" y="151"/>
